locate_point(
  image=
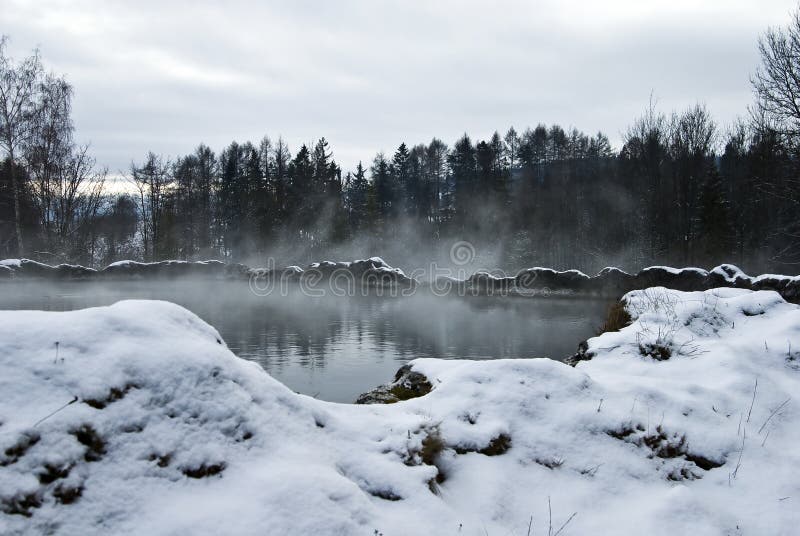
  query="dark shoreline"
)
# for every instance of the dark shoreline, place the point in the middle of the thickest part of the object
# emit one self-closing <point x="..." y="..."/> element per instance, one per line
<point x="376" y="277"/>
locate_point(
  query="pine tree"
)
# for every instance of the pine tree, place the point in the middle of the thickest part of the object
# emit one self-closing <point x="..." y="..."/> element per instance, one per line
<point x="463" y="169"/>
<point x="384" y="187"/>
<point x="715" y="228"/>
<point x="357" y="192"/>
<point x="512" y="143"/>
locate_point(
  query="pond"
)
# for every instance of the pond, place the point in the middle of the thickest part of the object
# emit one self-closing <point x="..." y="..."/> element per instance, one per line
<point x="335" y="348"/>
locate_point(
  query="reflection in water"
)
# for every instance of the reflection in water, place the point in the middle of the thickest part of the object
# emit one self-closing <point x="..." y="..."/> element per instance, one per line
<point x="336" y="348"/>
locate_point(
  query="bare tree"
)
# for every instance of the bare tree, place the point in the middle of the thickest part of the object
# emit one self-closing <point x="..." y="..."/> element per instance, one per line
<point x="78" y="198"/>
<point x="777" y="82"/>
<point x="19" y="105"/>
<point x="777" y="111"/>
<point x="51" y="158"/>
<point x="692" y="139"/>
<point x="694" y="132"/>
<point x="153" y="182"/>
<point x="436" y="174"/>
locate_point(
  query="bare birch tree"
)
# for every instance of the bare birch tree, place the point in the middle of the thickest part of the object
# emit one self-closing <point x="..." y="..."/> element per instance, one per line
<point x="19" y="103"/>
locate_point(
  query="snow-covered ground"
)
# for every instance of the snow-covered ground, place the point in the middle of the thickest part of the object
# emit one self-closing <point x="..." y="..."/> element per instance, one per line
<point x="136" y="419"/>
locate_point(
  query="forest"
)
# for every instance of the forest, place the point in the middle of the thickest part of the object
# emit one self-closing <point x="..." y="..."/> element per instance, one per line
<point x="681" y="189"/>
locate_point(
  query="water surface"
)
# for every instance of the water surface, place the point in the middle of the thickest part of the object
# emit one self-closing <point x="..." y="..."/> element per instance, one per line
<point x="335" y="348"/>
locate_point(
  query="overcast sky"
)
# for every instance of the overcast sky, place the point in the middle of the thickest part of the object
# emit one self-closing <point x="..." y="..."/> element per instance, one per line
<point x="367" y="75"/>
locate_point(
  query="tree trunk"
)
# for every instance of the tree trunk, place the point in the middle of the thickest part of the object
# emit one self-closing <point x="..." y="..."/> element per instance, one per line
<point x="17" y="212"/>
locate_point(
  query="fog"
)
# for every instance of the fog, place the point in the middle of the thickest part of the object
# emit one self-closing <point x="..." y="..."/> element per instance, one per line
<point x="336" y="348"/>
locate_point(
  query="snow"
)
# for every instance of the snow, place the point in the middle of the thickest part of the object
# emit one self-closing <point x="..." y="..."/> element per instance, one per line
<point x="777" y="277"/>
<point x="375" y="272"/>
<point x="551" y="271"/>
<point x="729" y="272"/>
<point x="676" y="271"/>
<point x="128" y="263"/>
<point x="124" y="263"/>
<point x="171" y="433"/>
<point x="374" y="264"/>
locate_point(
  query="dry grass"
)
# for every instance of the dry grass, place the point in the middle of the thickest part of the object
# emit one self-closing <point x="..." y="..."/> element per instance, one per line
<point x="617" y="317"/>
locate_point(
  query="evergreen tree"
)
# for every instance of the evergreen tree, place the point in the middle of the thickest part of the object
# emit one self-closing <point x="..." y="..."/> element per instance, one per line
<point x="463" y="169"/>
<point x="714" y="219"/>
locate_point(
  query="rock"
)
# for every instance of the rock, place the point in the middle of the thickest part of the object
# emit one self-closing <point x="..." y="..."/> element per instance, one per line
<point x="583" y="354"/>
<point x="407" y="384"/>
<point x="685" y="279"/>
<point x="359" y="274"/>
<point x="485" y="282"/>
<point x="6" y="272"/>
<point x="612" y="281"/>
<point x="547" y="278"/>
<point x="211" y="269"/>
<point x="374" y="274"/>
<point x="73" y="271"/>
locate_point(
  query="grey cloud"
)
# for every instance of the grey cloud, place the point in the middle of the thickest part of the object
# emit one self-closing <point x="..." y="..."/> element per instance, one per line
<point x="367" y="75"/>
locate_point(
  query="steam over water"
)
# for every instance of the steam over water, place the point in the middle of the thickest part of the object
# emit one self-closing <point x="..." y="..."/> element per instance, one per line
<point x="335" y="348"/>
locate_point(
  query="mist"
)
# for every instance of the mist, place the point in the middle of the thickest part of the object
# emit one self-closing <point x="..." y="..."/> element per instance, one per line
<point x="399" y="267"/>
<point x="336" y="348"/>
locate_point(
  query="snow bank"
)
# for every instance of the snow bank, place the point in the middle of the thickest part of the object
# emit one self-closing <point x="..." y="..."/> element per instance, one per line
<point x="136" y="419"/>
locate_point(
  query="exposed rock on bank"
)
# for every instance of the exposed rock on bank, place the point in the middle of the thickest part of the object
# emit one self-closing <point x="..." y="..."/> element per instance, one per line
<point x="375" y="273"/>
<point x="613" y="282"/>
<point x="340" y="276"/>
<point x="407" y="384"/>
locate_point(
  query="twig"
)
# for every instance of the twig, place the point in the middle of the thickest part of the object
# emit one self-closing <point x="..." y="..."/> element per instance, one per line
<point x="550" y="518"/>
<point x="765" y="438"/>
<point x="774" y="412"/>
<point x="530" y="526"/>
<point x="739" y="461"/>
<point x="565" y="524"/>
<point x="56" y="411"/>
<point x="752" y="401"/>
<point x="600" y="405"/>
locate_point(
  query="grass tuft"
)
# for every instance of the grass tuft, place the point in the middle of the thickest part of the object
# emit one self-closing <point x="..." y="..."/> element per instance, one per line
<point x="617" y="317"/>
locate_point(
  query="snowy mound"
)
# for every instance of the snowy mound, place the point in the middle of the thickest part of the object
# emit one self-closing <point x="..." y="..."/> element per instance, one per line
<point x="136" y="419"/>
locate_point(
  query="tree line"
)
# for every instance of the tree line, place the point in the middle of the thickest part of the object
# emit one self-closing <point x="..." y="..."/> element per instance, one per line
<point x="680" y="190"/>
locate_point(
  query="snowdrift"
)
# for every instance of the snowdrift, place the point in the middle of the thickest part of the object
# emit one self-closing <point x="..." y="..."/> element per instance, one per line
<point x="136" y="419"/>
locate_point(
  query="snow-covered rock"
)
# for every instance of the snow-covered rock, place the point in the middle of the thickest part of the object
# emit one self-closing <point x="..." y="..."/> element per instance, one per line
<point x="136" y="419"/>
<point x="210" y="269"/>
<point x="486" y="281"/>
<point x="547" y="277"/>
<point x="366" y="273"/>
<point x="376" y="273"/>
<point x="29" y="268"/>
